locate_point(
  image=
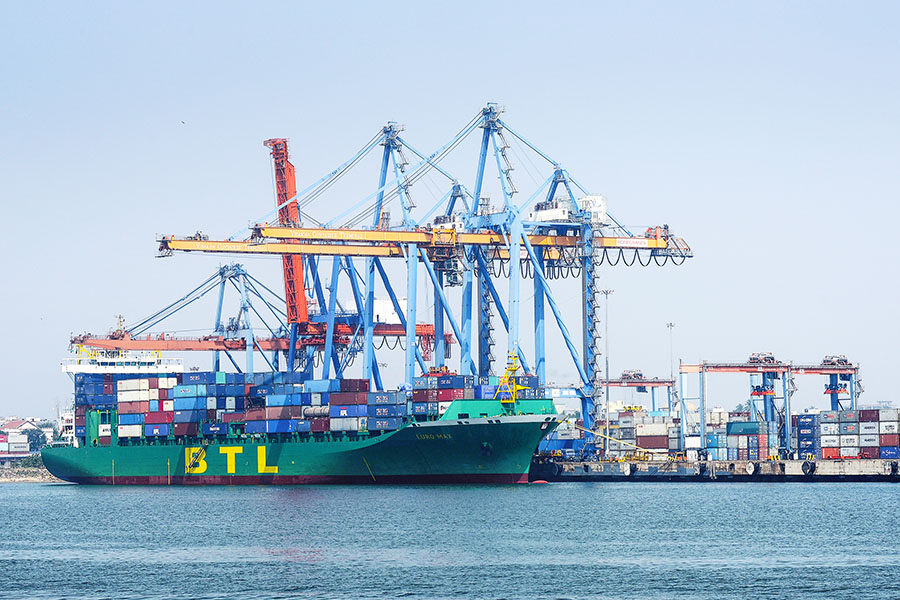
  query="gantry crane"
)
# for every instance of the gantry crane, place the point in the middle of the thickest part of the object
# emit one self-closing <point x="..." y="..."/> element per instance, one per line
<point x="764" y="370"/>
<point x="460" y="241"/>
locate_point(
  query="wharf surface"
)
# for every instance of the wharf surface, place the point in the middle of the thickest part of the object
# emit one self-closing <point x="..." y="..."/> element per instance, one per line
<point x="718" y="470"/>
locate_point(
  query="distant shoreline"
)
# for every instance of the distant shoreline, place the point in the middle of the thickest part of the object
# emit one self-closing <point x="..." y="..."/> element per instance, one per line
<point x="27" y="475"/>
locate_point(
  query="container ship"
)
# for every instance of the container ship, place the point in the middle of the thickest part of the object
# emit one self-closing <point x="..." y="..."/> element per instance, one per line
<point x="140" y="421"/>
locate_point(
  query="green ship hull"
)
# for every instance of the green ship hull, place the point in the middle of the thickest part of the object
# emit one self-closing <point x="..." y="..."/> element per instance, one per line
<point x="483" y="450"/>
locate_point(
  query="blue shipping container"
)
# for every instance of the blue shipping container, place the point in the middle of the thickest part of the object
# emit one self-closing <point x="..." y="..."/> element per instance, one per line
<point x="387" y="410"/>
<point x="255" y="427"/>
<point x="300" y="426"/>
<point x="131" y="419"/>
<point x="189" y="416"/>
<point x="80" y="431"/>
<point x="388" y="424"/>
<point x="890" y="452"/>
<point x="191" y="403"/>
<point x="420" y="408"/>
<point x="279" y="426"/>
<point x="160" y="430"/>
<point x="354" y="410"/>
<point x="185" y="391"/>
<point x="382" y="398"/>
<point x="215" y="428"/>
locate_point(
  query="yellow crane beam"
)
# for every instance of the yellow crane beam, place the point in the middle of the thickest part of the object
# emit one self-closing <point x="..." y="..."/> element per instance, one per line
<point x="434" y="237"/>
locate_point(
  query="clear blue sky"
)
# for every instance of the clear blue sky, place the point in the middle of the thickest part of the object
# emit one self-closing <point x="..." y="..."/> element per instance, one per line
<point x="764" y="133"/>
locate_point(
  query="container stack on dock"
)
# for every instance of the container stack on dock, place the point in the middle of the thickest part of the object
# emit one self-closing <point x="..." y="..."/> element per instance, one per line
<point x="866" y="433"/>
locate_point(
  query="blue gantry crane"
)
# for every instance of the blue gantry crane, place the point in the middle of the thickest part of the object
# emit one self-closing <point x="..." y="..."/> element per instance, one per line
<point x="560" y="230"/>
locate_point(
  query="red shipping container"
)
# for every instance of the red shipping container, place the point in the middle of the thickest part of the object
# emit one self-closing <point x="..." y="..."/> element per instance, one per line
<point x="104" y="440"/>
<point x="247" y="387"/>
<point x="296" y="411"/>
<point x="80" y="411"/>
<point x="3" y="438"/>
<point x="130" y="408"/>
<point x="107" y="378"/>
<point x="109" y="388"/>
<point x="354" y="385"/>
<point x="154" y="383"/>
<point x="450" y="395"/>
<point x="255" y="414"/>
<point x="870" y="452"/>
<point x="163" y="394"/>
<point x="425" y="395"/>
<point x="211" y="414"/>
<point x="794" y="420"/>
<point x="187" y="428"/>
<point x="319" y="425"/>
<point x="158" y="418"/>
<point x="274" y="413"/>
<point x="868" y="416"/>
<point x="653" y="441"/>
<point x="763" y="439"/>
<point x="831" y="452"/>
<point x="145" y="406"/>
<point x="890" y="439"/>
<point x="743" y="454"/>
<point x="80" y="421"/>
<point x="342" y="398"/>
<point x="233" y="417"/>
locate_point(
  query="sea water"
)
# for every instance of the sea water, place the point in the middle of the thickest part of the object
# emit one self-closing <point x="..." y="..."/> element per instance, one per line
<point x="566" y="540"/>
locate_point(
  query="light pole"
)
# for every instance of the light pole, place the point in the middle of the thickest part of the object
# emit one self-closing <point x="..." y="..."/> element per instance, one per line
<point x="606" y="294"/>
<point x="671" y="327"/>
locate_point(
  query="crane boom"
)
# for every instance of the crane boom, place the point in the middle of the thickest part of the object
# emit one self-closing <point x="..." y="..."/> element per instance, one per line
<point x="289" y="215"/>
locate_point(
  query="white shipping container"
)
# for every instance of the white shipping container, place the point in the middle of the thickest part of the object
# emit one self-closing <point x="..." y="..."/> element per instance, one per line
<point x="830" y="429"/>
<point x="345" y="424"/>
<point x="888" y="427"/>
<point x="144" y="384"/>
<point x="830" y="441"/>
<point x="674" y="432"/>
<point x="742" y="442"/>
<point x="17" y="438"/>
<point x="210" y="403"/>
<point x="104" y="430"/>
<point x="128" y="431"/>
<point x="167" y="405"/>
<point x="626" y="421"/>
<point x="692" y="442"/>
<point x="18" y="447"/>
<point x="868" y="428"/>
<point x="144" y="395"/>
<point x="229" y="403"/>
<point x="645" y="429"/>
<point x="154" y="394"/>
<point x="732" y="441"/>
<point x="316" y="398"/>
<point x="129" y="396"/>
<point x="888" y="414"/>
<point x="869" y="440"/>
<point x="849" y="451"/>
<point x="127" y="385"/>
<point x="849" y="440"/>
<point x="674" y="444"/>
<point x="443" y="406"/>
<point x="4" y="447"/>
<point x="170" y="383"/>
